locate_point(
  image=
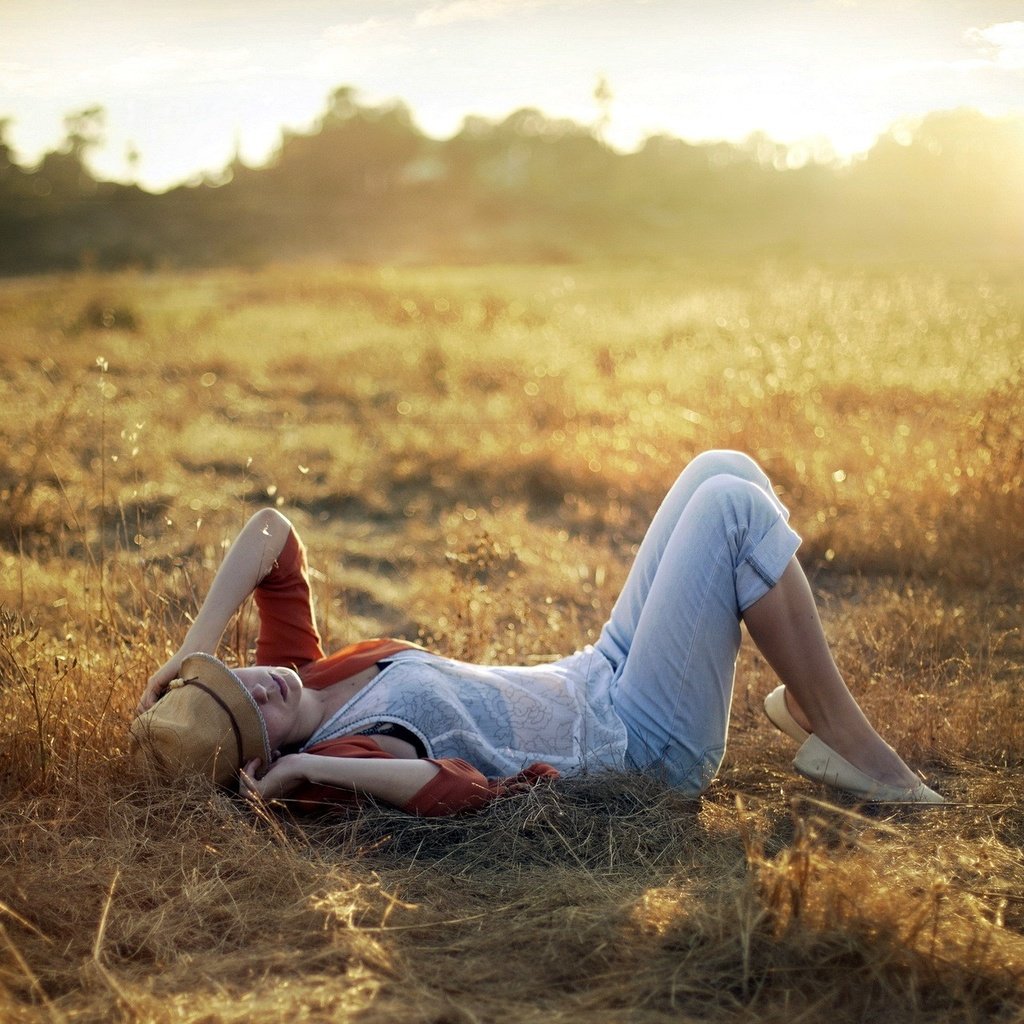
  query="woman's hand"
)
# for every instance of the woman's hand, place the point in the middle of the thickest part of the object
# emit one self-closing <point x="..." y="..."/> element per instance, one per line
<point x="394" y="780"/>
<point x="158" y="681"/>
<point x="283" y="776"/>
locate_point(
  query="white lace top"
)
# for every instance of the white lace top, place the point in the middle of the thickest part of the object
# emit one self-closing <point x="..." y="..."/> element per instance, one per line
<point x="499" y="719"/>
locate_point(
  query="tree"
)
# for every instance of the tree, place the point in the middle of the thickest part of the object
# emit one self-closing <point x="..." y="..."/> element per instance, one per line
<point x="603" y="98"/>
<point x="62" y="173"/>
<point x="84" y="130"/>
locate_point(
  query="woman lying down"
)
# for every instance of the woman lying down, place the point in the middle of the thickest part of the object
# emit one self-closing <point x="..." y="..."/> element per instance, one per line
<point x="435" y="736"/>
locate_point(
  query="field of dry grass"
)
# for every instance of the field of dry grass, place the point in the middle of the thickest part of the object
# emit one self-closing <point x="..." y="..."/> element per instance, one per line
<point x="472" y="456"/>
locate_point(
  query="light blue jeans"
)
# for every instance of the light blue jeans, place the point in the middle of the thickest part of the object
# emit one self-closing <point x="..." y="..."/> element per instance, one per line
<point x="718" y="543"/>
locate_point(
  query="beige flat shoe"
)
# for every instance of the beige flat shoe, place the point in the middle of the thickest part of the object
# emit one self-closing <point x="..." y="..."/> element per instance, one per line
<point x="818" y="761"/>
<point x="778" y="714"/>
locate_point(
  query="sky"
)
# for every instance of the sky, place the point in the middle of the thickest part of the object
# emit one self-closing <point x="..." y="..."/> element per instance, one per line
<point x="184" y="84"/>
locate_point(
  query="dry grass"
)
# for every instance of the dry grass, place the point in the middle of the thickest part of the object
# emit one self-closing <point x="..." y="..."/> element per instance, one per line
<point x="472" y="456"/>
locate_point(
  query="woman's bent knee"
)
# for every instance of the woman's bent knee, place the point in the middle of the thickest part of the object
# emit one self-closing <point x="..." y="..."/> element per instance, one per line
<point x="724" y="461"/>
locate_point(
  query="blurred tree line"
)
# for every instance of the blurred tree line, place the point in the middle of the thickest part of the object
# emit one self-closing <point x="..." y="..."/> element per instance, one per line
<point x="367" y="185"/>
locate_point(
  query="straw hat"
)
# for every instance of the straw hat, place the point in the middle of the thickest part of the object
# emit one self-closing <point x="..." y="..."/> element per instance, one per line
<point x="207" y="722"/>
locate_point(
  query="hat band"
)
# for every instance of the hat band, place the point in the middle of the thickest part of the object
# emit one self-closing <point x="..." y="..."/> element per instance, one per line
<point x="227" y="711"/>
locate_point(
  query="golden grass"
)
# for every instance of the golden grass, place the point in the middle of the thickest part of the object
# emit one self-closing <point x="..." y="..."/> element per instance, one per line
<point x="472" y="456"/>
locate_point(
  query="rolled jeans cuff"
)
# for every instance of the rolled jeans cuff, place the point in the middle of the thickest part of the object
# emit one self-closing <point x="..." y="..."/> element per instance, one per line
<point x="760" y="569"/>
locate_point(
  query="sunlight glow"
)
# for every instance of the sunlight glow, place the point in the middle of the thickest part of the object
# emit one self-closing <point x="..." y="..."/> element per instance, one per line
<point x="829" y="77"/>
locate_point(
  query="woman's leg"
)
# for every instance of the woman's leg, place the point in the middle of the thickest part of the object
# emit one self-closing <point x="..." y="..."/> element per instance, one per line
<point x="617" y="636"/>
<point x="705" y="560"/>
<point x="718" y="551"/>
<point x="787" y="630"/>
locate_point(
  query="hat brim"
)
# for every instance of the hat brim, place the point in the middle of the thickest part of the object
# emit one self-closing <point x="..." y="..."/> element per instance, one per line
<point x="206" y="722"/>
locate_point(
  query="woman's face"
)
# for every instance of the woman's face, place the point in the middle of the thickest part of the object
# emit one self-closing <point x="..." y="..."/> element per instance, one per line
<point x="276" y="692"/>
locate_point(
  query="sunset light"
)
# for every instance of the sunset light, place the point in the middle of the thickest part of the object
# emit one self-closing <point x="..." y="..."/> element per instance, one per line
<point x="511" y="511"/>
<point x="184" y="91"/>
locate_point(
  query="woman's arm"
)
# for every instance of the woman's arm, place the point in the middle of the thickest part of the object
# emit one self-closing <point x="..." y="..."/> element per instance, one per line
<point x="325" y="777"/>
<point x="249" y="559"/>
<point x="394" y="780"/>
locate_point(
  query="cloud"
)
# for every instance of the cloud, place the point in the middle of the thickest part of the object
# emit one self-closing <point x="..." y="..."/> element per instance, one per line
<point x="356" y="31"/>
<point x="475" y="10"/>
<point x="1000" y="50"/>
<point x="1003" y="44"/>
<point x="19" y="79"/>
<point x="153" y="67"/>
<point x="161" y="63"/>
<point x="346" y="48"/>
